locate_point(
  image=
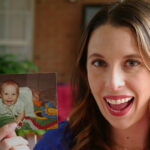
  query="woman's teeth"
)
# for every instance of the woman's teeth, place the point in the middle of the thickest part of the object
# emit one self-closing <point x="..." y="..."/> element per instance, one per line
<point x="119" y="101"/>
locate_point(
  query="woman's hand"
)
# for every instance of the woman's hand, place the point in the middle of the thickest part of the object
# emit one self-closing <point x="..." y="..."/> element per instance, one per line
<point x="9" y="140"/>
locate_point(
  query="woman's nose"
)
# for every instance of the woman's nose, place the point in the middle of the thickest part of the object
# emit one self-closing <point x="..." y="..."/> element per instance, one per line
<point x="115" y="79"/>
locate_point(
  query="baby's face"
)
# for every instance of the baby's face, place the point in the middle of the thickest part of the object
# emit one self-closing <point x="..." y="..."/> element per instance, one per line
<point x="9" y="94"/>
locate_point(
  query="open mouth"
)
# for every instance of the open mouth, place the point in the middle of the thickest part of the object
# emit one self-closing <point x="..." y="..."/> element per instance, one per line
<point x="119" y="106"/>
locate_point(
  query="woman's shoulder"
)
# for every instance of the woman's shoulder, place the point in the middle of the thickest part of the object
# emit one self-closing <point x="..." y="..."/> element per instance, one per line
<point x="52" y="139"/>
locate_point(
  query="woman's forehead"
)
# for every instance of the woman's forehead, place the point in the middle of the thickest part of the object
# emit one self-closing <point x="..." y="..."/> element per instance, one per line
<point x="108" y="38"/>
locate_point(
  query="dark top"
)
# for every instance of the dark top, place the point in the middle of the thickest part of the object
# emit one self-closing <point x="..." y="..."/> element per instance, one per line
<point x="53" y="139"/>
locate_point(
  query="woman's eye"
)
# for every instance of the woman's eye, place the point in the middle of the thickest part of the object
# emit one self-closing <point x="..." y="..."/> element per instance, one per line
<point x="99" y="63"/>
<point x="132" y="63"/>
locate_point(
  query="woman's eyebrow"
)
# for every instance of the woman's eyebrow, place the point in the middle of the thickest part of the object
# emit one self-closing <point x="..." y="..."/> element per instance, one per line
<point x="95" y="55"/>
<point x="127" y="56"/>
<point x="133" y="56"/>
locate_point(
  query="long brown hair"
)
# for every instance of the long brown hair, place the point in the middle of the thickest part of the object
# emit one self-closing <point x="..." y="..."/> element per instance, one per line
<point x="89" y="129"/>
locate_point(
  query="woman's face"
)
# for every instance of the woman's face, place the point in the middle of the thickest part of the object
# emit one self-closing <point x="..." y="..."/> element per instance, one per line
<point x="117" y="76"/>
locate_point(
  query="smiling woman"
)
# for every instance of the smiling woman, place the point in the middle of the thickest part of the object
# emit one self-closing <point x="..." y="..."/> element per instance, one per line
<point x="113" y="76"/>
<point x="111" y="82"/>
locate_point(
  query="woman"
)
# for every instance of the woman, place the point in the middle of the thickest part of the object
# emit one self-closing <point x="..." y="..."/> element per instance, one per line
<point x="112" y="82"/>
<point x="9" y="140"/>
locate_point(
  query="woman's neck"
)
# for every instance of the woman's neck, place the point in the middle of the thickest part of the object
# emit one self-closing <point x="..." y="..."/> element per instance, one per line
<point x="133" y="138"/>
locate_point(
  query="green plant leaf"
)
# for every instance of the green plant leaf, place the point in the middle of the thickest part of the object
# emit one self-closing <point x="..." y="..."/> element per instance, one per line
<point x="10" y="64"/>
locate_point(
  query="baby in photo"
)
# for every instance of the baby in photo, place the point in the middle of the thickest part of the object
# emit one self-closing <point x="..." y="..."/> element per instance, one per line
<point x="11" y="108"/>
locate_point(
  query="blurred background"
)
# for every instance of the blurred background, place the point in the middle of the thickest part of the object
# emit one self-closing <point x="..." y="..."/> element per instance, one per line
<point x="43" y="34"/>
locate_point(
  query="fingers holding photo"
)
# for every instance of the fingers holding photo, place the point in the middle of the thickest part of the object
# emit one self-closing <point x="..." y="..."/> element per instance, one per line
<point x="20" y="147"/>
<point x="14" y="143"/>
<point x="9" y="140"/>
<point x="7" y="131"/>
